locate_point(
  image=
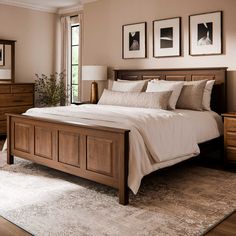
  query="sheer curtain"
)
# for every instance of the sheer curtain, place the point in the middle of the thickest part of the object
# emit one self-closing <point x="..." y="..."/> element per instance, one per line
<point x="65" y="50"/>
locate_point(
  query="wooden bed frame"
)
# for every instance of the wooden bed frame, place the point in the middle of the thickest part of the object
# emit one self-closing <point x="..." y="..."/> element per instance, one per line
<point x="94" y="152"/>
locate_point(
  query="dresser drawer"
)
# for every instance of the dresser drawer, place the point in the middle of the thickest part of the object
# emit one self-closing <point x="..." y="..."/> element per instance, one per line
<point x="17" y="110"/>
<point x="5" y="88"/>
<point x="22" y="88"/>
<point x="230" y="153"/>
<point x="7" y="100"/>
<point x="230" y="124"/>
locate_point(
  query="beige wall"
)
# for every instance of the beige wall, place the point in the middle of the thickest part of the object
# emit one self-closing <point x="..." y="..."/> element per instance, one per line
<point x="103" y="22"/>
<point x="35" y="35"/>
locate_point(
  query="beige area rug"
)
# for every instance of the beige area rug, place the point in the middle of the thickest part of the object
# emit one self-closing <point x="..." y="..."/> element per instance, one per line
<point x="184" y="200"/>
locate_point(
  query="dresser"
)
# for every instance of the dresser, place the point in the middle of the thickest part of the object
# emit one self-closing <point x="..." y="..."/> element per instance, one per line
<point x="230" y="137"/>
<point x="14" y="98"/>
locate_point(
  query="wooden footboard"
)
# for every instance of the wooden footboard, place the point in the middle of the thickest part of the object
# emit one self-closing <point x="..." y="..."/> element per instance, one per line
<point x="92" y="152"/>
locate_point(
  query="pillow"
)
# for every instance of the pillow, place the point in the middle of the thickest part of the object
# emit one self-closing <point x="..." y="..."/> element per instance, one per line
<point x="158" y="100"/>
<point x="191" y="95"/>
<point x="128" y="86"/>
<point x="206" y="100"/>
<point x="163" y="85"/>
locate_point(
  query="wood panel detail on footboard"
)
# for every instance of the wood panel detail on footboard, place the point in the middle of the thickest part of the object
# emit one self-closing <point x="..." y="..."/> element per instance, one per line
<point x="92" y="152"/>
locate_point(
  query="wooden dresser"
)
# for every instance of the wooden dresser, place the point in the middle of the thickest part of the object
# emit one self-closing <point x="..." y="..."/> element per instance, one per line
<point x="14" y="98"/>
<point x="230" y="137"/>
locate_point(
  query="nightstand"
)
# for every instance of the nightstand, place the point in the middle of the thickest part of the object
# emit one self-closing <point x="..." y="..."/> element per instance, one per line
<point x="230" y="137"/>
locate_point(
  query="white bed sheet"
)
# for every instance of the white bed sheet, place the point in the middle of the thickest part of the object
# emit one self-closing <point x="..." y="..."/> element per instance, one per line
<point x="158" y="138"/>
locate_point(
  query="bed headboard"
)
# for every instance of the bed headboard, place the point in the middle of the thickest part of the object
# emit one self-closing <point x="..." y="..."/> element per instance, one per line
<point x="218" y="98"/>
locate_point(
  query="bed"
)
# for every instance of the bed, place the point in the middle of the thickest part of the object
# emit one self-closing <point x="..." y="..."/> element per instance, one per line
<point x="96" y="150"/>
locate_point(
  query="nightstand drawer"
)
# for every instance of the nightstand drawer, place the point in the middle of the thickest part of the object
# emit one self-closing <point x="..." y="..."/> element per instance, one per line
<point x="230" y="124"/>
<point x="230" y="153"/>
<point x="230" y="138"/>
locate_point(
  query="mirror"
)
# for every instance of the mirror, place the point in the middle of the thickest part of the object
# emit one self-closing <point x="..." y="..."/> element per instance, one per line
<point x="7" y="61"/>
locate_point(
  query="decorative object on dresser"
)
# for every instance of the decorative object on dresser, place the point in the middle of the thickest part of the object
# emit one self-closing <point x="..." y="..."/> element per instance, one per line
<point x="230" y="137"/>
<point x="2" y="54"/>
<point x="95" y="73"/>
<point x="14" y="98"/>
<point x="205" y="34"/>
<point x="7" y="60"/>
<point x="95" y="152"/>
<point x="166" y="37"/>
<point x="134" y="40"/>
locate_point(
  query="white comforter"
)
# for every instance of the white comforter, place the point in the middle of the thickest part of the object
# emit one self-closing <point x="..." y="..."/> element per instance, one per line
<point x="156" y="135"/>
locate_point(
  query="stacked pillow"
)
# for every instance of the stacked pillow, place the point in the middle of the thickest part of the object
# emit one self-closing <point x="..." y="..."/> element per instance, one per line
<point x="162" y="94"/>
<point x="163" y="85"/>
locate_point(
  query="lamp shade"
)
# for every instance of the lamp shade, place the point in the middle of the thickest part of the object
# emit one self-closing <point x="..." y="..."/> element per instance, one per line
<point x="94" y="72"/>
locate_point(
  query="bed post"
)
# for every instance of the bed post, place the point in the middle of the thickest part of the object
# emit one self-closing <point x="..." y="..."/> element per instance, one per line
<point x="123" y="175"/>
<point x="10" y="158"/>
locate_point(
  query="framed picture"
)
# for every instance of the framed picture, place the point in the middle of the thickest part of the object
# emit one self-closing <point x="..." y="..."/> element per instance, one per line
<point x="205" y="34"/>
<point x="134" y="40"/>
<point x="2" y="55"/>
<point x="166" y="37"/>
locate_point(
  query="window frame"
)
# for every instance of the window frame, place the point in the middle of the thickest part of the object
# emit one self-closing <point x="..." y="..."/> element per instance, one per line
<point x="71" y="63"/>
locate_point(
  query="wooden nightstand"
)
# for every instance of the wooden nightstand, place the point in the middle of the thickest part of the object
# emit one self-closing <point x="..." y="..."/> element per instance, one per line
<point x="230" y="137"/>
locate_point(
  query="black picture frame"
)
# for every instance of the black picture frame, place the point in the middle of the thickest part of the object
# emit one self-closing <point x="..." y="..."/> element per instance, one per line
<point x="134" y="40"/>
<point x="167" y="37"/>
<point x="206" y="34"/>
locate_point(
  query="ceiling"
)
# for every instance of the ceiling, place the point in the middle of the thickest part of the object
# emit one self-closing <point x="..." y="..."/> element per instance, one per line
<point x="46" y="5"/>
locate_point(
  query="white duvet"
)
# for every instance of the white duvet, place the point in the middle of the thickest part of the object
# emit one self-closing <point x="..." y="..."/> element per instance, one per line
<point x="156" y="136"/>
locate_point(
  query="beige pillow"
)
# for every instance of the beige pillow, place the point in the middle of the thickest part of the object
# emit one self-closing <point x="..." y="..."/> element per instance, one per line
<point x="129" y="86"/>
<point x="206" y="99"/>
<point x="191" y="95"/>
<point x="163" y="85"/>
<point x="158" y="100"/>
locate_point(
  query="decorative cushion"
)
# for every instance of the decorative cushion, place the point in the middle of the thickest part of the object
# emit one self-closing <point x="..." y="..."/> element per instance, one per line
<point x="163" y="85"/>
<point x="191" y="95"/>
<point x="206" y="100"/>
<point x="158" y="100"/>
<point x="129" y="86"/>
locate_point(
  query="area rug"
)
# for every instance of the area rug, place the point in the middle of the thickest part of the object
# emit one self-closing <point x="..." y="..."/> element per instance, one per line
<point x="183" y="200"/>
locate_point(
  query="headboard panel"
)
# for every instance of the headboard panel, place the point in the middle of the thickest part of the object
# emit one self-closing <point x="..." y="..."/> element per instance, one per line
<point x="218" y="99"/>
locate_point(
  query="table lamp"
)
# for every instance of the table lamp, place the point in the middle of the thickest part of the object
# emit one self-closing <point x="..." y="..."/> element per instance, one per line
<point x="95" y="73"/>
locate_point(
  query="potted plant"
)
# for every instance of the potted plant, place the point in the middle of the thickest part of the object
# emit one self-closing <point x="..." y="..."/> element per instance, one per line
<point x="50" y="90"/>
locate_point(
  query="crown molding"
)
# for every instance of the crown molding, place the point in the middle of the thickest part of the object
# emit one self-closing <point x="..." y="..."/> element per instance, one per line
<point x="57" y="10"/>
<point x="29" y="6"/>
<point x="66" y="10"/>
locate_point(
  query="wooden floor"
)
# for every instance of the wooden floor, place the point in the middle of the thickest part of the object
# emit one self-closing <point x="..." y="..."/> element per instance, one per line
<point x="9" y="229"/>
<point x="225" y="228"/>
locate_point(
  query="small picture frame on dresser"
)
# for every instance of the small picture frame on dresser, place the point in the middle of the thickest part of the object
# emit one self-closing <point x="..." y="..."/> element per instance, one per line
<point x="2" y="54"/>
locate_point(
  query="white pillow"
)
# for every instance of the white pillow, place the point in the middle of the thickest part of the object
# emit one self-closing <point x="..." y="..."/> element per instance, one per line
<point x="128" y="86"/>
<point x="163" y="85"/>
<point x="157" y="100"/>
<point x="206" y="99"/>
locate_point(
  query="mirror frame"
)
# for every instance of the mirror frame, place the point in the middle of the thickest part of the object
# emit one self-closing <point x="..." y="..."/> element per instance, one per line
<point x="12" y="44"/>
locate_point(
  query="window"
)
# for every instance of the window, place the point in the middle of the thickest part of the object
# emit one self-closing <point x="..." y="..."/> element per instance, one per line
<point x="75" y="70"/>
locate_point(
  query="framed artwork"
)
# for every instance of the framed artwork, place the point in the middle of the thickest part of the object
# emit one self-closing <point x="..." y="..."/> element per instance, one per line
<point x="134" y="37"/>
<point x="2" y="55"/>
<point x="166" y="37"/>
<point x="205" y="34"/>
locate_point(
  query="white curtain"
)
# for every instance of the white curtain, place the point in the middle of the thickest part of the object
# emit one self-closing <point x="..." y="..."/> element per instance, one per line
<point x="65" y="48"/>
